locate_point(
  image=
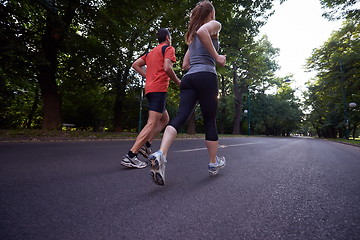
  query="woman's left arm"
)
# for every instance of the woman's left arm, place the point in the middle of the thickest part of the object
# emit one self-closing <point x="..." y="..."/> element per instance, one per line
<point x="205" y="32"/>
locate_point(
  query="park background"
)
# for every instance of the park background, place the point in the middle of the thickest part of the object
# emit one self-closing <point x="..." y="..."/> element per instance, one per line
<point x="66" y="65"/>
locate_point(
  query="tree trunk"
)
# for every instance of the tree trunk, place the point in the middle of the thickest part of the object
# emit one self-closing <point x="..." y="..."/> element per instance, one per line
<point x="55" y="30"/>
<point x="121" y="81"/>
<point x="354" y="132"/>
<point x="120" y="85"/>
<point x="47" y="71"/>
<point x="33" y="109"/>
<point x="267" y="130"/>
<point x="318" y="131"/>
<point x="191" y="124"/>
<point x="51" y="100"/>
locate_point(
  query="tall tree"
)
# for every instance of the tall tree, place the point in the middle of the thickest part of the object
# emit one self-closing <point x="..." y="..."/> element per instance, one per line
<point x="255" y="71"/>
<point x="337" y="64"/>
<point x="19" y="87"/>
<point x="44" y="25"/>
<point x="73" y="48"/>
<point x="59" y="16"/>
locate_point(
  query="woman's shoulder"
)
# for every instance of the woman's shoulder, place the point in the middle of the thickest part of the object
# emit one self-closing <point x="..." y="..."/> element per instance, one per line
<point x="212" y="27"/>
<point x="214" y="23"/>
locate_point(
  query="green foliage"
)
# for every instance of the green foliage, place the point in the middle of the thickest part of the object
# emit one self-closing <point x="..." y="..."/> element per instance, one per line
<point x="337" y="9"/>
<point x="278" y="114"/>
<point x="93" y="65"/>
<point x="337" y="82"/>
<point x="19" y="92"/>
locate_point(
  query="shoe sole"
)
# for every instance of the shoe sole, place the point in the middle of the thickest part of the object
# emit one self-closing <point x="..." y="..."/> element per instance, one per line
<point x="157" y="178"/>
<point x="214" y="172"/>
<point x="130" y="165"/>
<point x="217" y="170"/>
<point x="126" y="164"/>
<point x="154" y="172"/>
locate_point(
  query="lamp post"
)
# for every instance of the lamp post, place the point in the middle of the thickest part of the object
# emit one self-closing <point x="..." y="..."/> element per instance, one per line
<point x="140" y="110"/>
<point x="248" y="115"/>
<point x="353" y="105"/>
<point x="346" y="120"/>
<point x="249" y="112"/>
<point x="141" y="102"/>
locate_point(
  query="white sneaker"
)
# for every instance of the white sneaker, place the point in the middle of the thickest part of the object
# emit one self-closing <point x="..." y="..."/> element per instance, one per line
<point x="132" y="162"/>
<point x="157" y="172"/>
<point x="214" y="167"/>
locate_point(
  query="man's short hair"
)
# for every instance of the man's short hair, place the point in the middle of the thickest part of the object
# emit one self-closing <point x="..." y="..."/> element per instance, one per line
<point x="162" y="33"/>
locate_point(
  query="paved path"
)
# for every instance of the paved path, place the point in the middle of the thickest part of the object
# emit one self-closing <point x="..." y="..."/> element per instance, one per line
<point x="271" y="188"/>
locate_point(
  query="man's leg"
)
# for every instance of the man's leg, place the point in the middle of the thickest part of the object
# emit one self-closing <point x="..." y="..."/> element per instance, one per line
<point x="156" y="113"/>
<point x="164" y="120"/>
<point x="145" y="149"/>
<point x="148" y="131"/>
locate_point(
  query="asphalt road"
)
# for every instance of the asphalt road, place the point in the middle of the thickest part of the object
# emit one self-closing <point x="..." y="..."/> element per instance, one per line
<point x="271" y="188"/>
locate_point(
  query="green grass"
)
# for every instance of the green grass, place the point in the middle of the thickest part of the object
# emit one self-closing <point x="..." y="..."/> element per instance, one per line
<point x="355" y="141"/>
<point x="27" y="134"/>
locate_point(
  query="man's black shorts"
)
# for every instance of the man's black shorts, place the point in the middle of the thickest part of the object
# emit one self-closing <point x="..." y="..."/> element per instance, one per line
<point x="157" y="101"/>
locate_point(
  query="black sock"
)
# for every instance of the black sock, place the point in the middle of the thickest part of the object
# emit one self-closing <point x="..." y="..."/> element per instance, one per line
<point x="148" y="144"/>
<point x="131" y="154"/>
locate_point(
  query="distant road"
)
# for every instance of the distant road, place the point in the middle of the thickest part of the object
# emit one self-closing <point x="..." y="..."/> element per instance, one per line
<point x="271" y="188"/>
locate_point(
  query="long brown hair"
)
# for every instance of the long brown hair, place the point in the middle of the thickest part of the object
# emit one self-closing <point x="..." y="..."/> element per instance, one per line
<point x="197" y="18"/>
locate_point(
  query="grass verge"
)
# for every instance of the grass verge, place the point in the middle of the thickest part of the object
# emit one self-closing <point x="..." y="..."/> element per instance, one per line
<point x="41" y="135"/>
<point x="355" y="142"/>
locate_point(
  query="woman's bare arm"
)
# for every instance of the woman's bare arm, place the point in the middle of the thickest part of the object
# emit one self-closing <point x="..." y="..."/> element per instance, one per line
<point x="205" y="32"/>
<point x="186" y="61"/>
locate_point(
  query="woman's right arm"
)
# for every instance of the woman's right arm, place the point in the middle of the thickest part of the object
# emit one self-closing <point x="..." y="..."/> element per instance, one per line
<point x="186" y="61"/>
<point x="205" y="32"/>
<point x="137" y="65"/>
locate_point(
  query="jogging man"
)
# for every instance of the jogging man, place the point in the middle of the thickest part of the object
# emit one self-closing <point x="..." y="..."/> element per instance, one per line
<point x="159" y="62"/>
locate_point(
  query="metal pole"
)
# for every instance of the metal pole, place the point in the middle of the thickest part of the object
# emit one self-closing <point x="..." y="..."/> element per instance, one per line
<point x="249" y="111"/>
<point x="140" y="109"/>
<point x="346" y="120"/>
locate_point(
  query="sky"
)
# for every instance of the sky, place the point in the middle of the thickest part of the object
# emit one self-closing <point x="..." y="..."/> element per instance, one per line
<point x="296" y="28"/>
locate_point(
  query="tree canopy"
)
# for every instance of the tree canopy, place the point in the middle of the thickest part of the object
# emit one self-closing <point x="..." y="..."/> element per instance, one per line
<point x="337" y="83"/>
<point x="68" y="61"/>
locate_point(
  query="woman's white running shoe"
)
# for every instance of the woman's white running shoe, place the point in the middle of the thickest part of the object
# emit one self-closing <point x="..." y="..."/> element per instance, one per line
<point x="215" y="167"/>
<point x="157" y="172"/>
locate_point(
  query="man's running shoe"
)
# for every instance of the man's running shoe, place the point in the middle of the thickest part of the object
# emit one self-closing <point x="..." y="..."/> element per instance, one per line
<point x="214" y="167"/>
<point x="145" y="151"/>
<point x="157" y="172"/>
<point x="132" y="162"/>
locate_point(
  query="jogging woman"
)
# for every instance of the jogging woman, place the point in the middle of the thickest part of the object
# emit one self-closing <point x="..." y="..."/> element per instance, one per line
<point x="198" y="85"/>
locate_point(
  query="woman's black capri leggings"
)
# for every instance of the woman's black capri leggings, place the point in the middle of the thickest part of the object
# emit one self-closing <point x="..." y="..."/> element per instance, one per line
<point x="202" y="87"/>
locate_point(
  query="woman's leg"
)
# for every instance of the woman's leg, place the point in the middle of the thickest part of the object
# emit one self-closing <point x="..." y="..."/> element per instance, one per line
<point x="212" y="147"/>
<point x="208" y="103"/>
<point x="168" y="138"/>
<point x="188" y="99"/>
